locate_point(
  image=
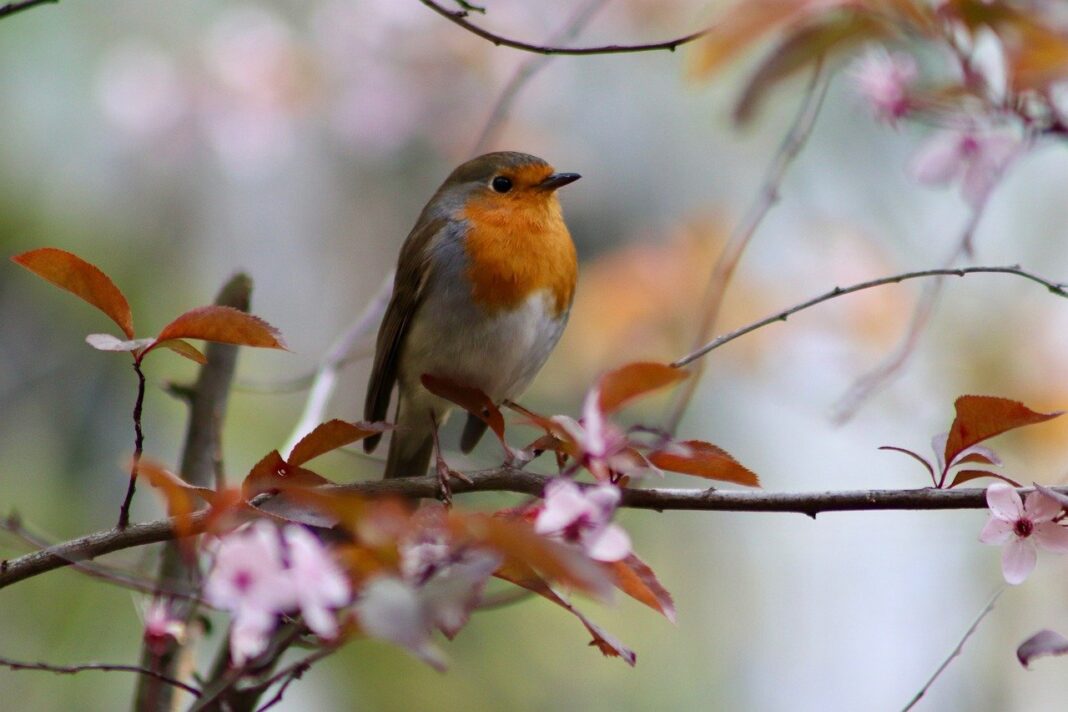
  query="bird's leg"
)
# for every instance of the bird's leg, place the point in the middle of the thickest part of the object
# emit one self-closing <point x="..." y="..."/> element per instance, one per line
<point x="444" y="472"/>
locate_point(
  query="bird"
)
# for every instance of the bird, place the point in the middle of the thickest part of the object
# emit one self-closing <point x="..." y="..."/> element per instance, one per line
<point x="483" y="288"/>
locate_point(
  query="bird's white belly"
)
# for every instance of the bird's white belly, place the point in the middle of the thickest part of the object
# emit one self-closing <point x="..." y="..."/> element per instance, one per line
<point x="498" y="354"/>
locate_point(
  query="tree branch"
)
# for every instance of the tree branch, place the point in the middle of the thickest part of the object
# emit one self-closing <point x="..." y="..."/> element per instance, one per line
<point x="12" y="7"/>
<point x="1057" y="288"/>
<point x="459" y="17"/>
<point x="508" y="479"/>
<point x="103" y="667"/>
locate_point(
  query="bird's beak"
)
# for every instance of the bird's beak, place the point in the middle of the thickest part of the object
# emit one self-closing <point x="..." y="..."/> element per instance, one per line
<point x="558" y="180"/>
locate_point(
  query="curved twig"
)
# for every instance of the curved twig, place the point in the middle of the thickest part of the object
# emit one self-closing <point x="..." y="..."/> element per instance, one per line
<point x="102" y="667"/>
<point x="459" y="17"/>
<point x="1057" y="288"/>
<point x="12" y="7"/>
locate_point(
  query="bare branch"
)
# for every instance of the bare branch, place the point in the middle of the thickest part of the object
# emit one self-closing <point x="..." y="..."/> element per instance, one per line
<point x="767" y="197"/>
<point x="1060" y="289"/>
<point x="508" y="479"/>
<point x="102" y="667"/>
<point x="459" y="17"/>
<point x="12" y="7"/>
<point x="957" y="650"/>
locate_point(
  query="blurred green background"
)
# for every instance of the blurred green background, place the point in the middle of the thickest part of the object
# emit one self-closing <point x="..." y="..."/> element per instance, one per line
<point x="174" y="143"/>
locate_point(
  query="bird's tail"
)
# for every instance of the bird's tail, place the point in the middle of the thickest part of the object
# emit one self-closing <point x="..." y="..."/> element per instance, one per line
<point x="409" y="453"/>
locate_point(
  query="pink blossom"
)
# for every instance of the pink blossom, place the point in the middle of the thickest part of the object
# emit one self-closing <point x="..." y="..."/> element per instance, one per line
<point x="602" y="446"/>
<point x="584" y="517"/>
<point x="321" y="587"/>
<point x="976" y="158"/>
<point x="1022" y="528"/>
<point x="162" y="626"/>
<point x="259" y="573"/>
<point x="883" y="80"/>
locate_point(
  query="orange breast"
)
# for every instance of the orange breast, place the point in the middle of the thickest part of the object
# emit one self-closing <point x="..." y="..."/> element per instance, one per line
<point x="517" y="245"/>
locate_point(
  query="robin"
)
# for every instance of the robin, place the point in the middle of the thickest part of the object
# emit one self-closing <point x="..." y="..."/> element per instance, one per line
<point x="483" y="289"/>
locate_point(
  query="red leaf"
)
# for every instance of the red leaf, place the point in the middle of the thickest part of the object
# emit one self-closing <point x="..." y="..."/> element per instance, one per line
<point x="982" y="417"/>
<point x="81" y="278"/>
<point x="272" y="474"/>
<point x="522" y="575"/>
<point x="624" y="384"/>
<point x="1042" y="643"/>
<point x="704" y="460"/>
<point x="180" y="496"/>
<point x="637" y="580"/>
<point x="969" y="475"/>
<point x="470" y="399"/>
<point x="330" y="436"/>
<point x="223" y="324"/>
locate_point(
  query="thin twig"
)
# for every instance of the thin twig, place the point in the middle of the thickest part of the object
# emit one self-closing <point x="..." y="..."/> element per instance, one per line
<point x="768" y="196"/>
<point x="102" y="667"/>
<point x="957" y="650"/>
<point x="459" y="17"/>
<point x="527" y="70"/>
<point x="1059" y="289"/>
<point x="139" y="445"/>
<point x="12" y="7"/>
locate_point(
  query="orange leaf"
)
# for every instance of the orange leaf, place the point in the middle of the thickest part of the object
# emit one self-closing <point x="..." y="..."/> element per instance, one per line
<point x="702" y="459"/>
<point x="515" y="539"/>
<point x="330" y="436"/>
<point x="272" y="474"/>
<point x="982" y="417"/>
<point x="522" y="575"/>
<point x="223" y="324"/>
<point x="739" y="27"/>
<point x="183" y="348"/>
<point x="70" y="272"/>
<point x="179" y="495"/>
<point x="470" y="399"/>
<point x="804" y="47"/>
<point x="622" y="385"/>
<point x="637" y="580"/>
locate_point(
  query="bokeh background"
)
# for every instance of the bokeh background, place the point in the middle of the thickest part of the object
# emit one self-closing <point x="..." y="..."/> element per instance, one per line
<point x="174" y="143"/>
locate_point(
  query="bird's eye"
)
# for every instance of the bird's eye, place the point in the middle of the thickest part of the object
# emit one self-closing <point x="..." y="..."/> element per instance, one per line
<point x="501" y="184"/>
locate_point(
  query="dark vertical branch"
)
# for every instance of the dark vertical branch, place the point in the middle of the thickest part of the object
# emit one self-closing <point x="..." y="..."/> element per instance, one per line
<point x="199" y="466"/>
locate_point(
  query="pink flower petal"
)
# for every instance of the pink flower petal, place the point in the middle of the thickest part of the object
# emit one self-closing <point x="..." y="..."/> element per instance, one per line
<point x="604" y="500"/>
<point x="1004" y="502"/>
<point x="609" y="544"/>
<point x="1018" y="560"/>
<point x="997" y="531"/>
<point x="564" y="504"/>
<point x="939" y="160"/>
<point x="1040" y="507"/>
<point x="1052" y="537"/>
